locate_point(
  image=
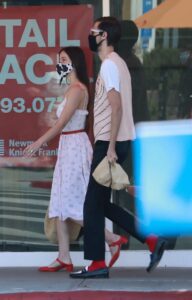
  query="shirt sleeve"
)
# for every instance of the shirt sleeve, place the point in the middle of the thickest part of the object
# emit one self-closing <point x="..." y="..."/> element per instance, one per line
<point x="110" y="75"/>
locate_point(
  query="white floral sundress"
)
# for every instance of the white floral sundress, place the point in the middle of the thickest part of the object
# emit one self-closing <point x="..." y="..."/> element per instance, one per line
<point x="72" y="169"/>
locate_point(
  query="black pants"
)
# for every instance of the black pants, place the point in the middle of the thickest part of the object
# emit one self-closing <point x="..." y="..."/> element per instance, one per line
<point x="98" y="206"/>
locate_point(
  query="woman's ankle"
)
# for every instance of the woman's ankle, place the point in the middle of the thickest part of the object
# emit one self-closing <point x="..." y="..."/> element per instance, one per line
<point x="113" y="238"/>
<point x="65" y="259"/>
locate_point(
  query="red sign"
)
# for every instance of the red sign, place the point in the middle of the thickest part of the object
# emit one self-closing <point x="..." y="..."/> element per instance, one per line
<point x="31" y="37"/>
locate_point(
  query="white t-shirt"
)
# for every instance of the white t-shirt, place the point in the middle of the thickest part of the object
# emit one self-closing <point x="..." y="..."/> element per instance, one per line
<point x="113" y="74"/>
<point x="110" y="75"/>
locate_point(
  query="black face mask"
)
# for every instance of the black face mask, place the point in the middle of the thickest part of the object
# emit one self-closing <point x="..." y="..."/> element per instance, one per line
<point x="93" y="46"/>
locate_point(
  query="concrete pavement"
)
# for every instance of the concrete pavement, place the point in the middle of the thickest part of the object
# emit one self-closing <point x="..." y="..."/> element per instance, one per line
<point x="22" y="280"/>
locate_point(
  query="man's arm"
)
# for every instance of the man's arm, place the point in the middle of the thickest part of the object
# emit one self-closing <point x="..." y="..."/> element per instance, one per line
<point x="114" y="98"/>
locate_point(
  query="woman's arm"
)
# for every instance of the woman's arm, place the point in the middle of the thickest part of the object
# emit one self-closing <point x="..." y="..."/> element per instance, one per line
<point x="74" y="98"/>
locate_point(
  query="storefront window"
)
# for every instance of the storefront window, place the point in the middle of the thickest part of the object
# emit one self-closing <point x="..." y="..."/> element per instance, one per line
<point x="31" y="36"/>
<point x="28" y="96"/>
<point x="160" y="66"/>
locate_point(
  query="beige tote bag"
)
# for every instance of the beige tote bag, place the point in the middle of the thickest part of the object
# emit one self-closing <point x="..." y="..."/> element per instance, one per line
<point x="50" y="229"/>
<point x="111" y="175"/>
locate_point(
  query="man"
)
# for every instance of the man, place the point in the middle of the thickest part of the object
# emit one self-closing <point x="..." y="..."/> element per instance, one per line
<point x="130" y="34"/>
<point x="113" y="131"/>
<point x="126" y="51"/>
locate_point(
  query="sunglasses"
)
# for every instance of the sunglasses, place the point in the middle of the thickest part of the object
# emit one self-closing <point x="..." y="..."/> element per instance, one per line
<point x="93" y="30"/>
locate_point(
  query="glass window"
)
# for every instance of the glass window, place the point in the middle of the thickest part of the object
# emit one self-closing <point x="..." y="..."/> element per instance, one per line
<point x="160" y="66"/>
<point x="28" y="98"/>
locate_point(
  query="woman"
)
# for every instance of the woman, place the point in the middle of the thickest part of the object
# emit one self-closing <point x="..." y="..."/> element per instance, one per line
<point x="72" y="169"/>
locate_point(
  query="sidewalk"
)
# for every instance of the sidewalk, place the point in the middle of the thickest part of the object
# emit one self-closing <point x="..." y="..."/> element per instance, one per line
<point x="124" y="283"/>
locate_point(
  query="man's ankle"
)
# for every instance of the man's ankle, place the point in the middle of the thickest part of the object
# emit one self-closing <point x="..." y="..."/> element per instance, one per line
<point x="151" y="242"/>
<point x="97" y="264"/>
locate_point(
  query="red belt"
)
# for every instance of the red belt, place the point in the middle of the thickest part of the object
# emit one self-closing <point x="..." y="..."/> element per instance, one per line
<point x="72" y="132"/>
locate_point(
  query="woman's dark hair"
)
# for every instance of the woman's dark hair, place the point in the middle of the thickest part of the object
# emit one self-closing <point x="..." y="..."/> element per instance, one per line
<point x="77" y="57"/>
<point x="113" y="28"/>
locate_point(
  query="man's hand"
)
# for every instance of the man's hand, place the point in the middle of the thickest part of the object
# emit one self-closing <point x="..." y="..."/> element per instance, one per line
<point x="111" y="155"/>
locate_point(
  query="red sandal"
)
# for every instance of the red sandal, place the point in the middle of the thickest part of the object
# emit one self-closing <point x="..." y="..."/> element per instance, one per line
<point x="62" y="265"/>
<point x="121" y="241"/>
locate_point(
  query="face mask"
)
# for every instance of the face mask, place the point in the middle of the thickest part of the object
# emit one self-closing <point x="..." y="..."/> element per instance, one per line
<point x="93" y="46"/>
<point x="63" y="70"/>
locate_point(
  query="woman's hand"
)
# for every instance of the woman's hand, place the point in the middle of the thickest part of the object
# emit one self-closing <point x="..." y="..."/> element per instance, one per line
<point x="30" y="150"/>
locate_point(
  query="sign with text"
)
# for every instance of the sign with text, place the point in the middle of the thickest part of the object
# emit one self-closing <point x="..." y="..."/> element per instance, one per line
<point x="29" y="90"/>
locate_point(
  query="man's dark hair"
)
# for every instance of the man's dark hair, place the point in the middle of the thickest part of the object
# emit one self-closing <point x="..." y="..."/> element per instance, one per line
<point x="130" y="32"/>
<point x="113" y="28"/>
